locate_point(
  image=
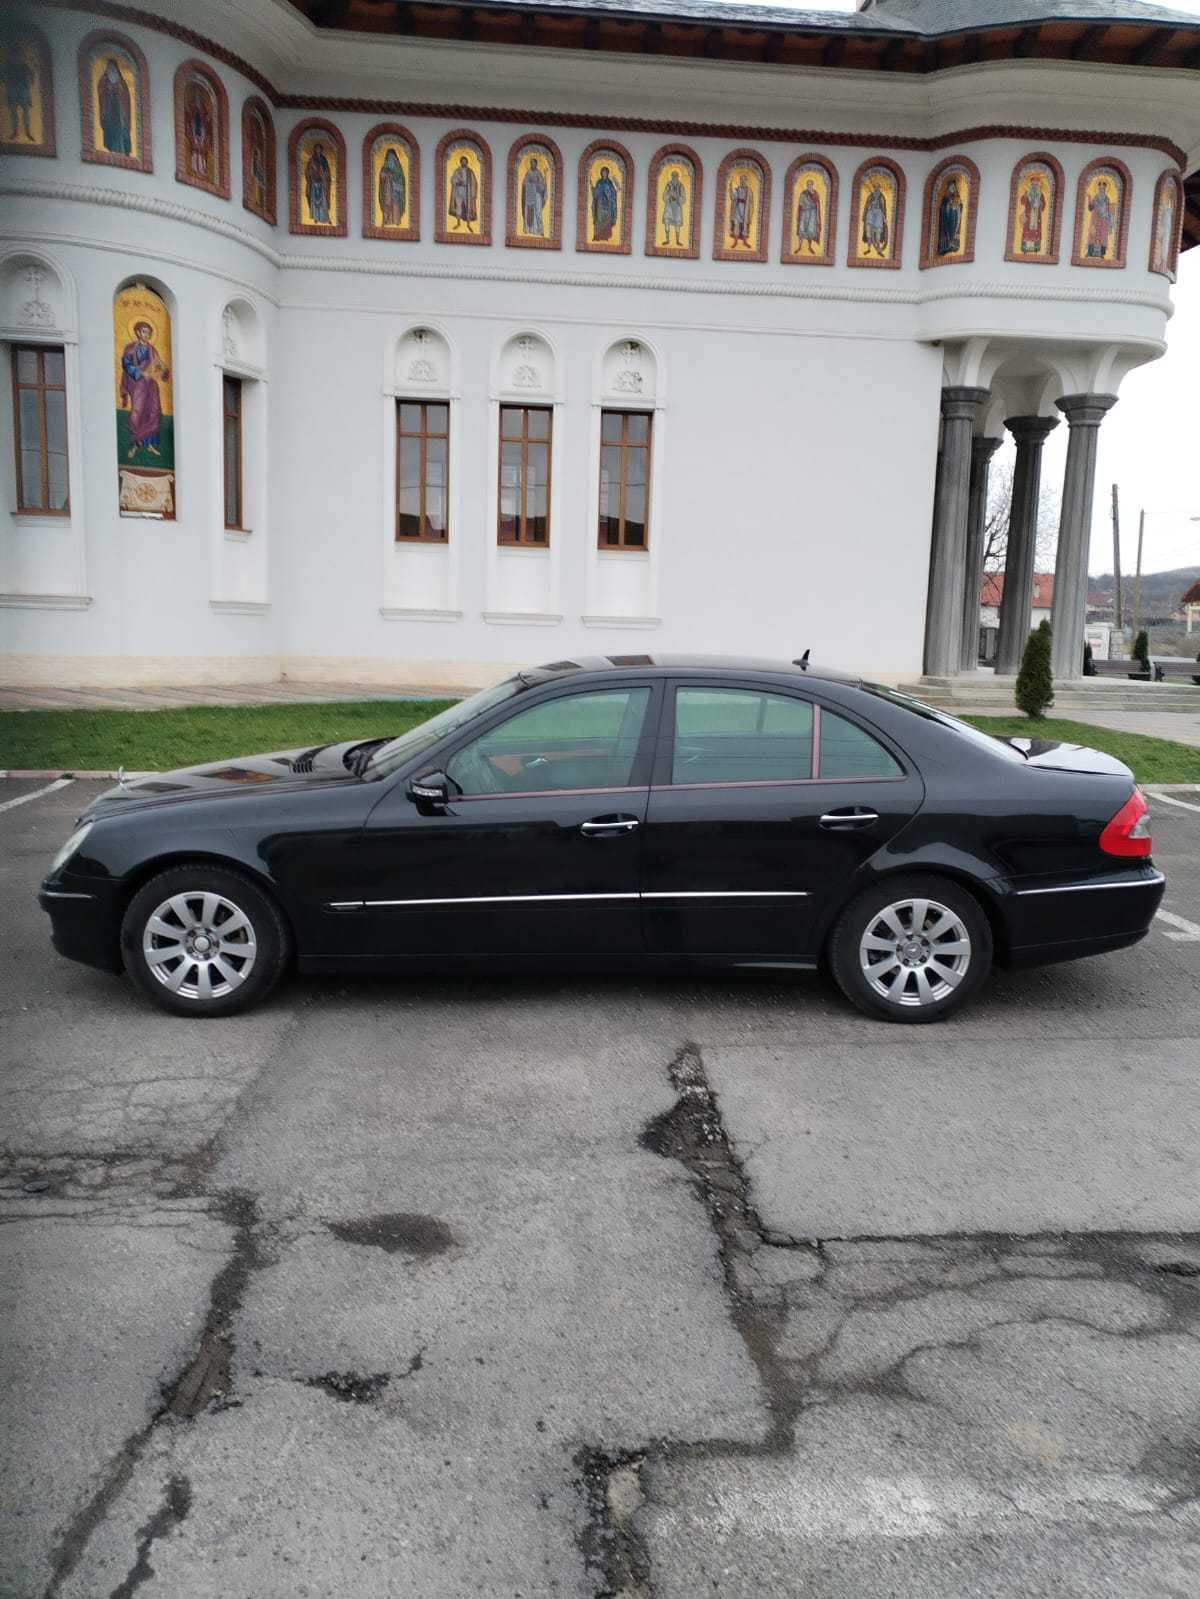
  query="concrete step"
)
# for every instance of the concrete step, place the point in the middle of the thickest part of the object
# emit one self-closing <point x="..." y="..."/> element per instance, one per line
<point x="1077" y="697"/>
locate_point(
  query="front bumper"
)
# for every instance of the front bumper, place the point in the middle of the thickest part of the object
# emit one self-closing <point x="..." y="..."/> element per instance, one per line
<point x="1061" y="920"/>
<point x="85" y="921"/>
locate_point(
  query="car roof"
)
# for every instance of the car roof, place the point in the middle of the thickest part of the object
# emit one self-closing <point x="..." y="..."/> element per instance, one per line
<point x="683" y="666"/>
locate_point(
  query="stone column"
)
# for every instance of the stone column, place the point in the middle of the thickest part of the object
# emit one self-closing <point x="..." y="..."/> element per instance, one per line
<point x="1084" y="413"/>
<point x="948" y="549"/>
<point x="1030" y="433"/>
<point x="982" y="450"/>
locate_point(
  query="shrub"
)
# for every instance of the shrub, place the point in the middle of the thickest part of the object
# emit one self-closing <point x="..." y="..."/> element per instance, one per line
<point x="1035" y="686"/>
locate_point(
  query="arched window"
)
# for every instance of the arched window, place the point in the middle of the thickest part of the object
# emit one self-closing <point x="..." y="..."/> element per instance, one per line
<point x="948" y="213"/>
<point x="810" y="196"/>
<point x="1035" y="207"/>
<point x="258" y="159"/>
<point x="201" y="129"/>
<point x="317" y="179"/>
<point x="27" y="76"/>
<point x="1102" y="214"/>
<point x="145" y="408"/>
<point x="743" y="211"/>
<point x="114" y="102"/>
<point x="464" y="189"/>
<point x="534" y="194"/>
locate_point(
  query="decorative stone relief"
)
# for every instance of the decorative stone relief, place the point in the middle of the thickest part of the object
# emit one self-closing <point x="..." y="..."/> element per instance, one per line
<point x="423" y="358"/>
<point x="35" y="312"/>
<point x="31" y="295"/>
<point x="629" y="370"/>
<point x="229" y="331"/>
<point x="629" y="378"/>
<point x="527" y="363"/>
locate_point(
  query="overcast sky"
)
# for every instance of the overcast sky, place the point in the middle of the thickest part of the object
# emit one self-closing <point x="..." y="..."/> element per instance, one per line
<point x="1150" y="441"/>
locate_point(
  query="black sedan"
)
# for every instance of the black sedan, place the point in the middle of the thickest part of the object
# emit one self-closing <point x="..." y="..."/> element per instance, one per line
<point x="631" y="811"/>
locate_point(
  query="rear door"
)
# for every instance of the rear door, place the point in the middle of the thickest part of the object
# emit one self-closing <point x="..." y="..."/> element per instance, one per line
<point x="763" y="809"/>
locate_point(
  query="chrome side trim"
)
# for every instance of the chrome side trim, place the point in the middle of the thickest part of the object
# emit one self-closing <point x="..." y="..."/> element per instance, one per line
<point x="538" y="899"/>
<point x="495" y="899"/>
<point x="62" y="893"/>
<point x="1084" y="888"/>
<point x="344" y="905"/>
<point x="729" y="893"/>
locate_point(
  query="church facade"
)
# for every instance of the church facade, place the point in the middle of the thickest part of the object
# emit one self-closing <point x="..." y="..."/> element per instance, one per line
<point x="363" y="342"/>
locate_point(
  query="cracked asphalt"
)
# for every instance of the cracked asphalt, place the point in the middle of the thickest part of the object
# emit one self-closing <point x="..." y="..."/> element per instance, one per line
<point x="599" y="1287"/>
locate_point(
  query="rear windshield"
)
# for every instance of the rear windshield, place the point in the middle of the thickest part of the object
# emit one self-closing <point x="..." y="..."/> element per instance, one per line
<point x="994" y="746"/>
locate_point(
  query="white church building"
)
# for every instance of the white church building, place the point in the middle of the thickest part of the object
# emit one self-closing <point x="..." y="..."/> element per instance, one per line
<point x="353" y="340"/>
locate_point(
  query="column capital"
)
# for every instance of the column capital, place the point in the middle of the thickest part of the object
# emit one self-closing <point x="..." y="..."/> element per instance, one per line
<point x="983" y="447"/>
<point x="1085" y="410"/>
<point x="1032" y="428"/>
<point x="961" y="404"/>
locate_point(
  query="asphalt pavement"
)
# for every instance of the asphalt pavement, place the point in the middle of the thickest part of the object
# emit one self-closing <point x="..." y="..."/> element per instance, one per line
<point x="599" y="1287"/>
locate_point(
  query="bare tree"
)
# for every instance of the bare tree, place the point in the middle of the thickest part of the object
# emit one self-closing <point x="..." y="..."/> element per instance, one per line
<point x="996" y="518"/>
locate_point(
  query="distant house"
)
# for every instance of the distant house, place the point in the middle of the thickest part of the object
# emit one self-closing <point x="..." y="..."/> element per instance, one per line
<point x="1190" y="604"/>
<point x="992" y="592"/>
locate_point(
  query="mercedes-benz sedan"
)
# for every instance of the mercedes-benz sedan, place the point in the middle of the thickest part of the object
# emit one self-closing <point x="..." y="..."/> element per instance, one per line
<point x="625" y="812"/>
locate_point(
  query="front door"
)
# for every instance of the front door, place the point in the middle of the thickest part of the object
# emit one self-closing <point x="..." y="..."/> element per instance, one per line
<point x="763" y="810"/>
<point x="536" y="852"/>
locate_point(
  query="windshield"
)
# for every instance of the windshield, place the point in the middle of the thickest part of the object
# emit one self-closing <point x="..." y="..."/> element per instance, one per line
<point x="994" y="745"/>
<point x="398" y="750"/>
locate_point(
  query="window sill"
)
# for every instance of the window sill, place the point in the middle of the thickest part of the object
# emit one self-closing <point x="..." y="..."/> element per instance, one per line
<point x="614" y="552"/>
<point x="238" y="535"/>
<point x="524" y="551"/>
<point x="46" y="602"/>
<point x="523" y="618"/>
<point x="240" y="607"/>
<point x="400" y="613"/>
<point x="622" y="621"/>
<point x="47" y="519"/>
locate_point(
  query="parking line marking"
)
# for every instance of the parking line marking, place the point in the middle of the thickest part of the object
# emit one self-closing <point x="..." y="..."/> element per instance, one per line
<point x="23" y="799"/>
<point x="1189" y="932"/>
<point x="1169" y="799"/>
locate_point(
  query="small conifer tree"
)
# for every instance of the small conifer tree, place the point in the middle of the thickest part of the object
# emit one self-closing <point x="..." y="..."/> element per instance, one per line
<point x="1035" y="686"/>
<point x="1089" y="663"/>
<point x="1141" y="649"/>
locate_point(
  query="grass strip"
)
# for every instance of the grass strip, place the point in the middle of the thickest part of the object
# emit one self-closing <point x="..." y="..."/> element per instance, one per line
<point x="159" y="740"/>
<point x="1152" y="760"/>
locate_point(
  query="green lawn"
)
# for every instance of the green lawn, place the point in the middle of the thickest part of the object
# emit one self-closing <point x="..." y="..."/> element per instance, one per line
<point x="157" y="740"/>
<point x="1152" y="760"/>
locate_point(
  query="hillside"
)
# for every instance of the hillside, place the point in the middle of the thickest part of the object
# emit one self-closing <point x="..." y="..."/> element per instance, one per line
<point x="1160" y="590"/>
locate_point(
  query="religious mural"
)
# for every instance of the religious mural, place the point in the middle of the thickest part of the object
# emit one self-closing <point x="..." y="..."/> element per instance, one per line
<point x="1035" y="210"/>
<point x="258" y="160"/>
<point x="1100" y="215"/>
<point x="951" y="194"/>
<point x="317" y="179"/>
<point x="877" y="219"/>
<point x="1165" y="224"/>
<point x="391" y="184"/>
<point x="743" y="208"/>
<point x="605" y="199"/>
<point x="26" y="94"/>
<point x="201" y="129"/>
<point x="114" y="92"/>
<point x="809" y="212"/>
<point x="673" y="203"/>
<point x="144" y="403"/>
<point x="534" y="195"/>
<point x="464" y="190"/>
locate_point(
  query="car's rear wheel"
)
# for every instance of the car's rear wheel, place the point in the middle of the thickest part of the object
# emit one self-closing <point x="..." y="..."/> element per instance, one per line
<point x="203" y="941"/>
<point x="913" y="949"/>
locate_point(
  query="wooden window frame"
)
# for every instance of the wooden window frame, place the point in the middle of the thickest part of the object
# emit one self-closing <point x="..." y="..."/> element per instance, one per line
<point x="522" y="541"/>
<point x="40" y="388"/>
<point x="423" y="536"/>
<point x="621" y="546"/>
<point x="238" y="416"/>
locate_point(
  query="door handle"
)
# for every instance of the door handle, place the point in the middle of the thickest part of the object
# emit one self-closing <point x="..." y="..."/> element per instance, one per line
<point x="608" y="826"/>
<point x="852" y="816"/>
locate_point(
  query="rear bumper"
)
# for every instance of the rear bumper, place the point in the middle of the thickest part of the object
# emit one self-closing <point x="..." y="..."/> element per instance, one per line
<point x="1068" y="919"/>
<point x="84" y="922"/>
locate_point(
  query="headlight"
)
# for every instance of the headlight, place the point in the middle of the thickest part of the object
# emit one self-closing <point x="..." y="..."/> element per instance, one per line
<point x="69" y="848"/>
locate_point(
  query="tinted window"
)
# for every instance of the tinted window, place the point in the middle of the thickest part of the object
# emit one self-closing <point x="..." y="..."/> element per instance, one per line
<point x="846" y="751"/>
<point x="985" y="741"/>
<point x="726" y="735"/>
<point x="580" y="741"/>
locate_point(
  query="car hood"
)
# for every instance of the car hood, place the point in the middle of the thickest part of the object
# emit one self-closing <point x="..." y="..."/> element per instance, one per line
<point x="1050" y="754"/>
<point x="285" y="771"/>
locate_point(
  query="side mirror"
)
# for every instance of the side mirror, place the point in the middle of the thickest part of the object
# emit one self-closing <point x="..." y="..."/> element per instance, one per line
<point x="430" y="792"/>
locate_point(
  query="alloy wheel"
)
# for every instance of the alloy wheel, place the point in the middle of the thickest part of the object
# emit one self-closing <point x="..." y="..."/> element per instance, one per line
<point x="199" y="945"/>
<point x="915" y="952"/>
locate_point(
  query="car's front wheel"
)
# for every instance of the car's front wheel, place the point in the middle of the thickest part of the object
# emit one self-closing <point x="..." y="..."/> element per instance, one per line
<point x="203" y="941"/>
<point x="913" y="949"/>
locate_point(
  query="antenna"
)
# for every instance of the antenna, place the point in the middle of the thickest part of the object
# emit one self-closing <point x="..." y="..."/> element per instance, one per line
<point x="802" y="663"/>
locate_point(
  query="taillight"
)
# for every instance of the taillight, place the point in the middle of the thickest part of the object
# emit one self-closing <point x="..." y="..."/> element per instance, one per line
<point x="1129" y="831"/>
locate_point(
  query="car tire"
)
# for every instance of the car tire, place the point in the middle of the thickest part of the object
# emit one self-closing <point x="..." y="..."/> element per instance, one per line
<point x="202" y="940"/>
<point x="911" y="949"/>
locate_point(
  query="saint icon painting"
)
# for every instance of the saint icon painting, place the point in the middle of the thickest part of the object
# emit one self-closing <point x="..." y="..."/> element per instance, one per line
<point x="464" y="174"/>
<point x="114" y="102"/>
<point x="673" y="203"/>
<point x="391" y="186"/>
<point x="605" y="199"/>
<point x="258" y="160"/>
<point x="1100" y="215"/>
<point x="743" y="203"/>
<point x="317" y="179"/>
<point x="877" y="217"/>
<point x="950" y="200"/>
<point x="201" y="129"/>
<point x="26" y="100"/>
<point x="1164" y="239"/>
<point x="1035" y="210"/>
<point x="534" y="195"/>
<point x="144" y="404"/>
<point x="809" y="212"/>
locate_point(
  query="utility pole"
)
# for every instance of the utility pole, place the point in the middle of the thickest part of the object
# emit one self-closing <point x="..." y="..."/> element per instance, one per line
<point x="1137" y="581"/>
<point x="1118" y="608"/>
